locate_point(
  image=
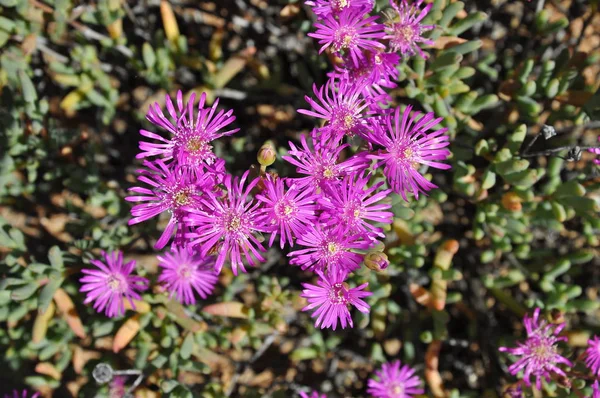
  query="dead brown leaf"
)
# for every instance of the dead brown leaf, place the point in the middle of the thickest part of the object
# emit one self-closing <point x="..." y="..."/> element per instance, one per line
<point x="232" y="309"/>
<point x="445" y="42"/>
<point x="126" y="333"/>
<point x="67" y="308"/>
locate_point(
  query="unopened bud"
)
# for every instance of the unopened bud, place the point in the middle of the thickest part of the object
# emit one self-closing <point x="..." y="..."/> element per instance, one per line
<point x="377" y="261"/>
<point x="557" y="316"/>
<point x="267" y="154"/>
<point x="511" y="201"/>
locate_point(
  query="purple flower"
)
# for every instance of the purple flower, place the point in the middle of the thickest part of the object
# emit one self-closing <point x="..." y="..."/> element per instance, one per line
<point x="328" y="250"/>
<point x="352" y="204"/>
<point x="592" y="355"/>
<point x="117" y="387"/>
<point x="109" y="285"/>
<point x="395" y="381"/>
<point x="23" y="394"/>
<point x="288" y="212"/>
<point x="595" y="151"/>
<point x="184" y="272"/>
<point x="341" y="105"/>
<point x="321" y="166"/>
<point x="349" y="34"/>
<point x="539" y="355"/>
<point x="172" y="188"/>
<point x="408" y="145"/>
<point x="331" y="298"/>
<point x="514" y="391"/>
<point x="226" y="225"/>
<point x="405" y="35"/>
<point x="191" y="137"/>
<point x="595" y="390"/>
<point x="377" y="70"/>
<point x="324" y="8"/>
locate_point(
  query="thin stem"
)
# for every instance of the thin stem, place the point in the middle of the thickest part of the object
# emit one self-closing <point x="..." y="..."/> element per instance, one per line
<point x="135" y="384"/>
<point x="588" y="126"/>
<point x="127" y="372"/>
<point x="555" y="150"/>
<point x="531" y="143"/>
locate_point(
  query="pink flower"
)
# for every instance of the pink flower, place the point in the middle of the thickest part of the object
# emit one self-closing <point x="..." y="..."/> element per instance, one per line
<point x="341" y="105"/>
<point x="592" y="355"/>
<point x="539" y="354"/>
<point x="227" y="225"/>
<point x="595" y="151"/>
<point x="349" y="34"/>
<point x="595" y="390"/>
<point x="323" y="8"/>
<point x="287" y="212"/>
<point x="109" y="286"/>
<point x="405" y="35"/>
<point x="184" y="272"/>
<point x="328" y="250"/>
<point x="320" y="165"/>
<point x="171" y="189"/>
<point x="117" y="387"/>
<point x="395" y="381"/>
<point x="191" y="137"/>
<point x="377" y="70"/>
<point x="331" y="298"/>
<point x="406" y="146"/>
<point x="22" y="394"/>
<point x="351" y="205"/>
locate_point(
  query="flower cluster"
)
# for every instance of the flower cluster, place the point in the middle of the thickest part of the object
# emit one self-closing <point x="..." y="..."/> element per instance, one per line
<point x="209" y="217"/>
<point x="345" y="202"/>
<point x="538" y="355"/>
<point x="331" y="214"/>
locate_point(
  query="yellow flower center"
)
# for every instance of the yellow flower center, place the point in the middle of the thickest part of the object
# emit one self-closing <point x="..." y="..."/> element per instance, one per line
<point x="348" y="121"/>
<point x="184" y="271"/>
<point x="115" y="283"/>
<point x="182" y="198"/>
<point x="328" y="172"/>
<point x="234" y="223"/>
<point x="194" y="145"/>
<point x="332" y="248"/>
<point x="347" y="41"/>
<point x="406" y="33"/>
<point x="339" y="4"/>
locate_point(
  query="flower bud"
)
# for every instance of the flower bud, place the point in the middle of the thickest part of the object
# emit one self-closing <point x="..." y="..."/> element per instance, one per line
<point x="511" y="201"/>
<point x="377" y="261"/>
<point x="267" y="154"/>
